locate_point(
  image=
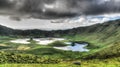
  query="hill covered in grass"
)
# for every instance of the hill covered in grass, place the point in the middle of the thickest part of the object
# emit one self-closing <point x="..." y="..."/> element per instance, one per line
<point x="103" y="39"/>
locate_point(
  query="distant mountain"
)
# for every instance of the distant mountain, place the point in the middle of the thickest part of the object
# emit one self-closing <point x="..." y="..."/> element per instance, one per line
<point x="107" y="28"/>
<point x="5" y="30"/>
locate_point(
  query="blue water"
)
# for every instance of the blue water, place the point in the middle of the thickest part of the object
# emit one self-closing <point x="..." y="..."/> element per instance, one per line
<point x="78" y="47"/>
<point x="74" y="48"/>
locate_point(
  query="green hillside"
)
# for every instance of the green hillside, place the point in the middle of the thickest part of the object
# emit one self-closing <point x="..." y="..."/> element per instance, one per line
<point x="103" y="42"/>
<point x="104" y="37"/>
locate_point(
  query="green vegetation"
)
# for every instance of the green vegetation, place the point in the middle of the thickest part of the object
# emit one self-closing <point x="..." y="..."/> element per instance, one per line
<point x="103" y="42"/>
<point x="57" y="44"/>
<point x="26" y="58"/>
<point x="84" y="63"/>
<point x="62" y="65"/>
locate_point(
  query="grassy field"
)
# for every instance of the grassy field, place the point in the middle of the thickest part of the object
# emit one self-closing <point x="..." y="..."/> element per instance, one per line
<point x="104" y="52"/>
<point x="88" y="63"/>
<point x="69" y="64"/>
<point x="59" y="65"/>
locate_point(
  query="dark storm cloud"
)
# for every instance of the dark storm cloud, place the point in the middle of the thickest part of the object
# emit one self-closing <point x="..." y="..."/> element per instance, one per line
<point x="62" y="8"/>
<point x="103" y="6"/>
<point x="4" y="3"/>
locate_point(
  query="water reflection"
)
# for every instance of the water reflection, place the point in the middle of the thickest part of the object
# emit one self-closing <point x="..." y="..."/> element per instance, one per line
<point x="75" y="47"/>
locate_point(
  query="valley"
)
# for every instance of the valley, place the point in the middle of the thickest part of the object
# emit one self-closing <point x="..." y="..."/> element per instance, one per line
<point x="103" y="44"/>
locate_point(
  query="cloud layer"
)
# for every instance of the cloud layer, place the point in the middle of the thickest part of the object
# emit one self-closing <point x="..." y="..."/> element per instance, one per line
<point x="61" y="8"/>
<point x="61" y="24"/>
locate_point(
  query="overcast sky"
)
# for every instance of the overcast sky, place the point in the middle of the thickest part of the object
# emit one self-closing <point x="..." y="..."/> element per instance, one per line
<point x="56" y="14"/>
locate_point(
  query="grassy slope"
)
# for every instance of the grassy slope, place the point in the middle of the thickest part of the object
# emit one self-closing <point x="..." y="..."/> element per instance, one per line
<point x="105" y="38"/>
